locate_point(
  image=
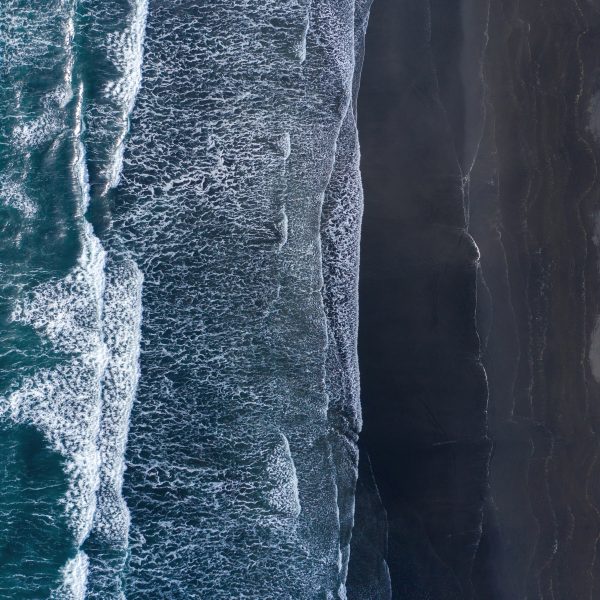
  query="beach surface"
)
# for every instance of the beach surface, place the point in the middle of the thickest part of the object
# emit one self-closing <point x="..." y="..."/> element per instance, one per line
<point x="478" y="342"/>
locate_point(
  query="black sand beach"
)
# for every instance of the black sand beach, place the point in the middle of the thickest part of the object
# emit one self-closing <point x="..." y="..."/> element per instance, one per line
<point x="480" y="405"/>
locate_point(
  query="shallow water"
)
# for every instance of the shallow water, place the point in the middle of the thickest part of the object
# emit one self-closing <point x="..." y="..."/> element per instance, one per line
<point x="180" y="252"/>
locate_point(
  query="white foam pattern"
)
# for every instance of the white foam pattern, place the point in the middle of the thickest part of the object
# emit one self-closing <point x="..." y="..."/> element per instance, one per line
<point x="232" y="482"/>
<point x="73" y="586"/>
<point x="87" y="318"/>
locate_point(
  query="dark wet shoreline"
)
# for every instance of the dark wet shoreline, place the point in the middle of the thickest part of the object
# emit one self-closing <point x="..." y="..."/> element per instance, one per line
<point x="479" y="130"/>
<point x="423" y="388"/>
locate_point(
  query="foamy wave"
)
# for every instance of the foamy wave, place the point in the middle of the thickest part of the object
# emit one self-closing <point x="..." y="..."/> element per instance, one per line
<point x="35" y="133"/>
<point x="128" y="56"/>
<point x="74" y="580"/>
<point x="284" y="496"/>
<point x="126" y="51"/>
<point x="28" y="44"/>
<point x="340" y="232"/>
<point x="109" y="115"/>
<point x="64" y="402"/>
<point x="121" y="326"/>
<point x="83" y="404"/>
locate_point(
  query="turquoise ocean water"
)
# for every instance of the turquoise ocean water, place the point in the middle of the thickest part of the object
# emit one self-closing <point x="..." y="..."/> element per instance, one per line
<point x="180" y="206"/>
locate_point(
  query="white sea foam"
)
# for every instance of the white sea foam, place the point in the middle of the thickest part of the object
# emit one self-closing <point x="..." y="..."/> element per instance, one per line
<point x="285" y="144"/>
<point x="121" y="328"/>
<point x="74" y="580"/>
<point x="13" y="195"/>
<point x="35" y="133"/>
<point x="281" y="470"/>
<point x="301" y="45"/>
<point x="223" y="217"/>
<point x="116" y="36"/>
<point x="64" y="401"/>
<point x="125" y="49"/>
<point x="340" y="231"/>
<point x="109" y="116"/>
<point x="282" y="227"/>
<point x="128" y="55"/>
<point x="28" y="44"/>
<point x="83" y="405"/>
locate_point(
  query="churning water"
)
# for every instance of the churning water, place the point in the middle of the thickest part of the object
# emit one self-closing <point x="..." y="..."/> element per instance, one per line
<point x="194" y="163"/>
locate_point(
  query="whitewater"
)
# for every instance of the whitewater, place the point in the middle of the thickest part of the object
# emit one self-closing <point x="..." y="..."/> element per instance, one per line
<point x="179" y="391"/>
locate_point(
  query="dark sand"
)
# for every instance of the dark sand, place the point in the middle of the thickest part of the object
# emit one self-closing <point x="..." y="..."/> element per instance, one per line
<point x="521" y="178"/>
<point x="424" y="390"/>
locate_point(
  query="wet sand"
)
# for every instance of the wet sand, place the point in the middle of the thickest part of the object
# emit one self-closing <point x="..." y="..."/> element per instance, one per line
<point x="423" y="387"/>
<point x="475" y="136"/>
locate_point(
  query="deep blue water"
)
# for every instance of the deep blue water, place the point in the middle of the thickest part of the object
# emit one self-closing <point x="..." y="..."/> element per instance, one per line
<point x="180" y="210"/>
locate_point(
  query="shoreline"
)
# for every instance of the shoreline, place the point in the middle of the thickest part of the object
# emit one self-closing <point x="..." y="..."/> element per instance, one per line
<point x="502" y="148"/>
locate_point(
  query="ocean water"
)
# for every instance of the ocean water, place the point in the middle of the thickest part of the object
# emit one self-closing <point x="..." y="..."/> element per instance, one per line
<point x="180" y="206"/>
